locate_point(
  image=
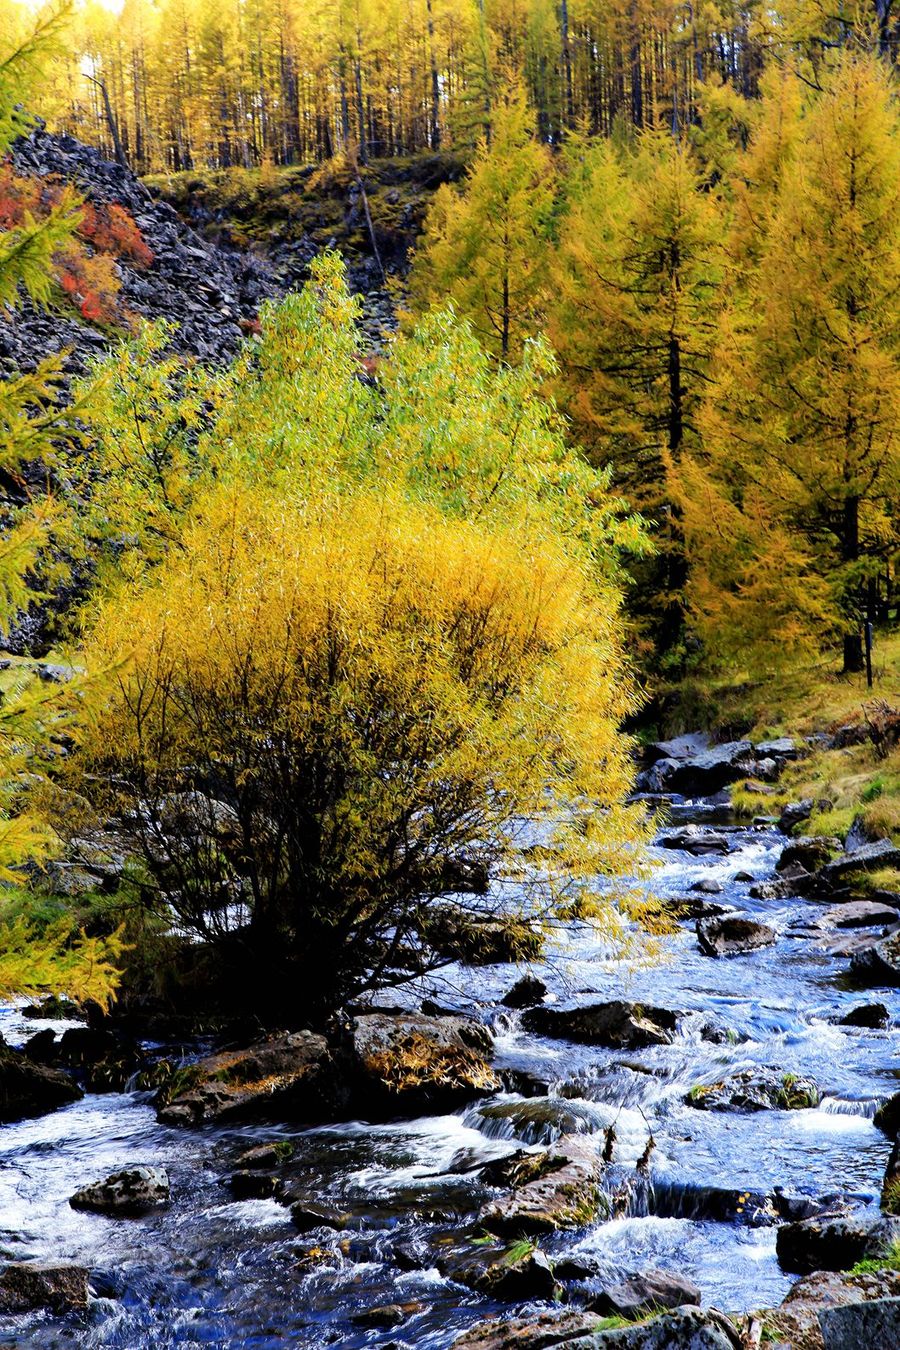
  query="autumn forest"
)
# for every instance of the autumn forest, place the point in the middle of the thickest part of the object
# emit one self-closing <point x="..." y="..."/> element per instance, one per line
<point x="449" y="674"/>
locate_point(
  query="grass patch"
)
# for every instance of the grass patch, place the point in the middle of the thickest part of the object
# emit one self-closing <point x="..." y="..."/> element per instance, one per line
<point x="873" y="1265"/>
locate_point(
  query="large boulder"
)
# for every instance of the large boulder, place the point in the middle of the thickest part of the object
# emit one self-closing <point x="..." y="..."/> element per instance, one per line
<point x="525" y="993"/>
<point x="834" y="1244"/>
<point x="560" y="1190"/>
<point x="874" y="1325"/>
<point x="809" y="852"/>
<point x="794" y="813"/>
<point x="733" y="936"/>
<point x="617" y="1024"/>
<point x="292" y="1076"/>
<point x="412" y="1062"/>
<point x="687" y="1329"/>
<point x="648" y="1292"/>
<point x="516" y="1274"/>
<point x="878" y="964"/>
<point x="860" y="914"/>
<point x="125" y="1194"/>
<point x="873" y="1016"/>
<point x="756" y="1090"/>
<point x="28" y="1089"/>
<point x="797" y="1322"/>
<point x="689" y="767"/>
<point x="28" y="1285"/>
<point x="867" y="858"/>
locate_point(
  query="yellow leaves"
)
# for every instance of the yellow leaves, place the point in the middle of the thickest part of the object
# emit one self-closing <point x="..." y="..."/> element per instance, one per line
<point x="58" y="960"/>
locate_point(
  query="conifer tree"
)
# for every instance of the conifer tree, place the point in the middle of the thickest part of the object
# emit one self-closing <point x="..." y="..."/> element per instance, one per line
<point x="485" y="247"/>
<point x="802" y="427"/>
<point x="636" y="295"/>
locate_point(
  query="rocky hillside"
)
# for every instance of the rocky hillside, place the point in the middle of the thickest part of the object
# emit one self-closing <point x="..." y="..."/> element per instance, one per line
<point x="208" y="291"/>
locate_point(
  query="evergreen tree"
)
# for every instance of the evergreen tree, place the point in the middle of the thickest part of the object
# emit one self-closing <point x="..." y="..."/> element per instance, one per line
<point x="485" y="247"/>
<point x="802" y="428"/>
<point x="636" y="294"/>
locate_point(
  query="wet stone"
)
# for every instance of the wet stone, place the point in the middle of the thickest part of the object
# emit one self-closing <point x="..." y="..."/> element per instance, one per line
<point x="647" y="1292"/>
<point x="133" y="1191"/>
<point x="616" y="1024"/>
<point x="733" y="936"/>
<point x="872" y="1015"/>
<point x="28" y="1285"/>
<point x="835" y="1244"/>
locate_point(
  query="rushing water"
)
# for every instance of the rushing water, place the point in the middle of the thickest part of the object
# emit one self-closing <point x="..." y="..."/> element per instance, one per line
<point x="213" y="1272"/>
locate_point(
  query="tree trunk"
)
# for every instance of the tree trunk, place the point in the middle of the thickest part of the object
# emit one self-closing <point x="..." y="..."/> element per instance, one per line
<point x="854" y="658"/>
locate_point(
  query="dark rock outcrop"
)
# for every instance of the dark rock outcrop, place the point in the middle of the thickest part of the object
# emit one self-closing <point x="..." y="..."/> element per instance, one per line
<point x="617" y="1024"/>
<point x="125" y="1194"/>
<point x="28" y="1089"/>
<point x="834" y="1244"/>
<point x="411" y="1062"/>
<point x="875" y="1016"/>
<point x="878" y="965"/>
<point x="874" y="1324"/>
<point x="687" y="1329"/>
<point x="733" y="936"/>
<point x="292" y="1076"/>
<point x="525" y="993"/>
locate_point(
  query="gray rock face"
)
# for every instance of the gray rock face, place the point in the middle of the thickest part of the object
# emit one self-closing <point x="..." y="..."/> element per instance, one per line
<point x="834" y="1244"/>
<point x="650" y="1291"/>
<point x="28" y="1285"/>
<point x="733" y="937"/>
<point x="874" y="1325"/>
<point x="125" y="1194"/>
<point x="496" y="1272"/>
<point x="860" y="914"/>
<point x="28" y="1089"/>
<point x="617" y="1024"/>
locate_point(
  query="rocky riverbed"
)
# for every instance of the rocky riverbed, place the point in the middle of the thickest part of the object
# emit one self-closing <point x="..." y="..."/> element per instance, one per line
<point x="696" y="1132"/>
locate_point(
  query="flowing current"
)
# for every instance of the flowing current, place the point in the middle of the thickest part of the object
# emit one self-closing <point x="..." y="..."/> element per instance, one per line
<point x="211" y="1271"/>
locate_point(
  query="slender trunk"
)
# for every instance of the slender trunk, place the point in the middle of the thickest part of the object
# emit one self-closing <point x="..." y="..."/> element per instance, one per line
<point x="567" y="61"/>
<point x="111" y="122"/>
<point x="435" y="85"/>
<point x="854" y="660"/>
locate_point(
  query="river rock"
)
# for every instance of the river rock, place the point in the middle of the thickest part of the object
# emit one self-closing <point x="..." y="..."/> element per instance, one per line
<point x="28" y="1089"/>
<point x="672" y="1199"/>
<point x="796" y="1322"/>
<point x="756" y="1090"/>
<point x="133" y="1191"/>
<point x="794" y="814"/>
<point x="696" y="772"/>
<point x="689" y="1329"/>
<point x="708" y="886"/>
<point x="782" y="747"/>
<point x="265" y="1156"/>
<point x="28" y="1285"/>
<point x="525" y="993"/>
<point x="515" y="1274"/>
<point x="878" y="964"/>
<point x="308" y="1215"/>
<point x="874" y="1325"/>
<point x="733" y="936"/>
<point x="782" y="889"/>
<point x="412" y="1062"/>
<point x="809" y="852"/>
<point x="540" y="1120"/>
<point x="616" y="1024"/>
<point x="834" y="1244"/>
<point x="875" y="1016"/>
<point x="292" y="1076"/>
<point x="696" y="840"/>
<point x="858" y="835"/>
<point x="860" y="914"/>
<point x="250" y="1184"/>
<point x="887" y="1117"/>
<point x="563" y="1192"/>
<point x="648" y="1292"/>
<point x="867" y="858"/>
